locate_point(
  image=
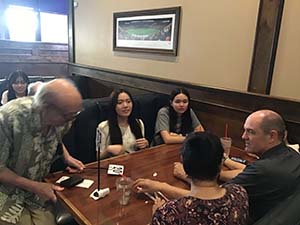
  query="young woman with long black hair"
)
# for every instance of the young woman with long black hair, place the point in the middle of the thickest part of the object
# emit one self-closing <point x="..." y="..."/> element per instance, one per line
<point x="175" y="121"/>
<point x="121" y="133"/>
<point x="17" y="86"/>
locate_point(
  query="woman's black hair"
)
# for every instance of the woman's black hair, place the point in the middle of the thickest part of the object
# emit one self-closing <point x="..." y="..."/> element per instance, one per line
<point x="114" y="129"/>
<point x="202" y="154"/>
<point x="12" y="79"/>
<point x="186" y="120"/>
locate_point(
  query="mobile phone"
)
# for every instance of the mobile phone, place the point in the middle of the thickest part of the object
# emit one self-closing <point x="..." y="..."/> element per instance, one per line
<point x="71" y="181"/>
<point x="236" y="159"/>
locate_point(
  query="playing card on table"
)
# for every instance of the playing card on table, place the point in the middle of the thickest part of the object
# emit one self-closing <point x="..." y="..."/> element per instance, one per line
<point x="114" y="169"/>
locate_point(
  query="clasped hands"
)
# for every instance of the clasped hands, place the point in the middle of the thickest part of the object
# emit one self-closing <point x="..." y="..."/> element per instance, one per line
<point x="118" y="149"/>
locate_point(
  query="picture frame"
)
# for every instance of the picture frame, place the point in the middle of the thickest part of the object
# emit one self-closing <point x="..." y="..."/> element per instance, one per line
<point x="147" y="31"/>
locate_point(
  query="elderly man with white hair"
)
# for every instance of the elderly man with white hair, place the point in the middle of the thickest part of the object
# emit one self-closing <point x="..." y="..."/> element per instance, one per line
<point x="30" y="130"/>
<point x="33" y="87"/>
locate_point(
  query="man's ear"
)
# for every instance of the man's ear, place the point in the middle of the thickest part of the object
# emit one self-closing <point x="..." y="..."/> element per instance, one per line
<point x="273" y="136"/>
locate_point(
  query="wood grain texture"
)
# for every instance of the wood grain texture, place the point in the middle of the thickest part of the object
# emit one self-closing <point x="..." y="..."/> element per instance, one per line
<point x="141" y="164"/>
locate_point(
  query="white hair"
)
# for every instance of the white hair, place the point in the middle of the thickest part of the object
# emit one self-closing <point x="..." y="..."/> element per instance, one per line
<point x="33" y="87"/>
<point x="41" y="97"/>
<point x="45" y="96"/>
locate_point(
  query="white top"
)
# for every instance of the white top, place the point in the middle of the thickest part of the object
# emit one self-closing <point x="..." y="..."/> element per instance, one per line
<point x="128" y="137"/>
<point x="4" y="97"/>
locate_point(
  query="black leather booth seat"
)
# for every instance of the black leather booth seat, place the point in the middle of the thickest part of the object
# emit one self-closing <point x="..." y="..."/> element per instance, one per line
<point x="286" y="213"/>
<point x="80" y="140"/>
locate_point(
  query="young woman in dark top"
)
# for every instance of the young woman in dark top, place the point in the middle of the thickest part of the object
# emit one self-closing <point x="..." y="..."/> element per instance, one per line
<point x="121" y="133"/>
<point x="17" y="86"/>
<point x="177" y="120"/>
<point x="206" y="202"/>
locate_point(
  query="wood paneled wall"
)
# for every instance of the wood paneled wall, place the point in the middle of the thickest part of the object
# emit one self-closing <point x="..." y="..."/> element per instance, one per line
<point x="34" y="58"/>
<point x="214" y="107"/>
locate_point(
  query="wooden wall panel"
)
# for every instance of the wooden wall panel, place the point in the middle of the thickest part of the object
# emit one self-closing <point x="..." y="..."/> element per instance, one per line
<point x="265" y="47"/>
<point x="215" y="107"/>
<point x="13" y="51"/>
<point x="34" y="69"/>
<point x="34" y="58"/>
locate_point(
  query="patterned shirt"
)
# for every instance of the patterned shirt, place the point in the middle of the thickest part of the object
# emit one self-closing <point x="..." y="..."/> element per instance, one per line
<point x="230" y="209"/>
<point x="26" y="151"/>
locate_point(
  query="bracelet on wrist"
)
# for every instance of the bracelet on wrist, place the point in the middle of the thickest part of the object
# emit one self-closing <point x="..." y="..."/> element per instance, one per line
<point x="224" y="158"/>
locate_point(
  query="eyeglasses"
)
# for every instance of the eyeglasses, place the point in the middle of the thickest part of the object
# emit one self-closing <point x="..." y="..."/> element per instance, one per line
<point x="70" y="116"/>
<point x="67" y="116"/>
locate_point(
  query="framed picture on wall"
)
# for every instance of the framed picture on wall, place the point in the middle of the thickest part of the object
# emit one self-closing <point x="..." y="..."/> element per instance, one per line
<point x="150" y="31"/>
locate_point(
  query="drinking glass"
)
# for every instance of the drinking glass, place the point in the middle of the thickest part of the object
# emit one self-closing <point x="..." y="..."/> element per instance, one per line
<point x="123" y="185"/>
<point x="226" y="143"/>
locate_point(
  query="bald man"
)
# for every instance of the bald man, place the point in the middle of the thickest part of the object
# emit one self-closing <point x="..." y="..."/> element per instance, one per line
<point x="30" y="130"/>
<point x="276" y="175"/>
<point x="268" y="181"/>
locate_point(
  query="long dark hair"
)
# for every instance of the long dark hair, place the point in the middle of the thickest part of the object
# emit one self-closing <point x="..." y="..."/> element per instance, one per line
<point x="186" y="120"/>
<point x="12" y="79"/>
<point x="114" y="129"/>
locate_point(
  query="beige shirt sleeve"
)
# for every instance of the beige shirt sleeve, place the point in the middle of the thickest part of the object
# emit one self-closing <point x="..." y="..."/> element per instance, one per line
<point x="102" y="136"/>
<point x="4" y="97"/>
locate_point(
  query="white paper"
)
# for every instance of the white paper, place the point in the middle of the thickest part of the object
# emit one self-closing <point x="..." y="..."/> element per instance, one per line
<point x="86" y="183"/>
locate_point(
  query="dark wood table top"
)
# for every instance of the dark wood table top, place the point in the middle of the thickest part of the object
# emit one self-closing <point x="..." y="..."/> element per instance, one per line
<point x="141" y="164"/>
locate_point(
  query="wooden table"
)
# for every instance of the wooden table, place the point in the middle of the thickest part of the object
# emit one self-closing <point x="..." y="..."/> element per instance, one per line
<point x="142" y="164"/>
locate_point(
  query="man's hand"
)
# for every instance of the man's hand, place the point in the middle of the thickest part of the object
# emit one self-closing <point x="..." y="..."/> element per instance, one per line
<point x="146" y="185"/>
<point x="74" y="165"/>
<point x="46" y="191"/>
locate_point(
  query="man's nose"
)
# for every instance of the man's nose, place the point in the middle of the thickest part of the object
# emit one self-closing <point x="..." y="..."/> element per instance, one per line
<point x="244" y="136"/>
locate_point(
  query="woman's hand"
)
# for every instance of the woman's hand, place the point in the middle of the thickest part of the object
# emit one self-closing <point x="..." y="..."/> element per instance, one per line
<point x="141" y="143"/>
<point x="146" y="185"/>
<point x="178" y="171"/>
<point x="157" y="203"/>
<point x="115" y="149"/>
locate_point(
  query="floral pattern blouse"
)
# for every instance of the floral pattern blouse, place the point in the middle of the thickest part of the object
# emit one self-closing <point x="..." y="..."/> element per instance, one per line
<point x="230" y="209"/>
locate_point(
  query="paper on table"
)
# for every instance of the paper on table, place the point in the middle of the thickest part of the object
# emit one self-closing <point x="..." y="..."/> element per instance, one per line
<point x="86" y="183"/>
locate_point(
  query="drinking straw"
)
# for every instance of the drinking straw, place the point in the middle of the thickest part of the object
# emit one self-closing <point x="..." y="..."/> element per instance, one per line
<point x="226" y="130"/>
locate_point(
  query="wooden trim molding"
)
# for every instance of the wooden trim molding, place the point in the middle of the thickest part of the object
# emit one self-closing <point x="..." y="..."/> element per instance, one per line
<point x="71" y="34"/>
<point x="34" y="68"/>
<point x="265" y="46"/>
<point x="215" y="106"/>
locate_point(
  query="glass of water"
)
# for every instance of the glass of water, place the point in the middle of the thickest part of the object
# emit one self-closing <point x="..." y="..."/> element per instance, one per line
<point x="123" y="185"/>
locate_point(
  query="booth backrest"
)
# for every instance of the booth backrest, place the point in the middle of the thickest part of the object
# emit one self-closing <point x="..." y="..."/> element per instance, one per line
<point x="80" y="140"/>
<point x="286" y="213"/>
